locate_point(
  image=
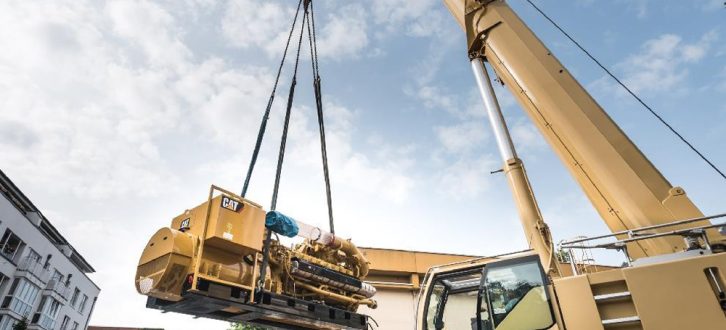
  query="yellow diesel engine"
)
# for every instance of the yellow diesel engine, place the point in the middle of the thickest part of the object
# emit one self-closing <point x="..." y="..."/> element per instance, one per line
<point x="208" y="264"/>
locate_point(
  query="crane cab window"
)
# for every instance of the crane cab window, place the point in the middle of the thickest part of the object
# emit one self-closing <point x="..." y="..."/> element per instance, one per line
<point x="516" y="294"/>
<point x="452" y="300"/>
<point x="504" y="295"/>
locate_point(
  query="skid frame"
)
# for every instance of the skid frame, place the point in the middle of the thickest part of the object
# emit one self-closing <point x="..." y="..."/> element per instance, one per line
<point x="225" y="303"/>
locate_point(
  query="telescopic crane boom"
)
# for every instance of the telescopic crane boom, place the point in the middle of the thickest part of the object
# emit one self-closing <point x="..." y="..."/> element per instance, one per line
<point x="673" y="275"/>
<point x="621" y="183"/>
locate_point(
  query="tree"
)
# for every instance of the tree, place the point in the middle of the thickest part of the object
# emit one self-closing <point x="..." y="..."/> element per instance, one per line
<point x="242" y="326"/>
<point x="21" y="325"/>
<point x="563" y="256"/>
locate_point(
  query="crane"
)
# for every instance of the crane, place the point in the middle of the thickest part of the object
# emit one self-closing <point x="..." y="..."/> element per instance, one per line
<point x="218" y="260"/>
<point x="673" y="275"/>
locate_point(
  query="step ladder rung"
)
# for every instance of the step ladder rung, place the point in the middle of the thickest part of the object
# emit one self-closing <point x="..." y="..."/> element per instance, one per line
<point x="612" y="296"/>
<point x="621" y="320"/>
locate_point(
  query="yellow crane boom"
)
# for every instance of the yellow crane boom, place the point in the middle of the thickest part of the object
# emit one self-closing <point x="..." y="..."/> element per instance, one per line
<point x="621" y="183"/>
<point x="673" y="275"/>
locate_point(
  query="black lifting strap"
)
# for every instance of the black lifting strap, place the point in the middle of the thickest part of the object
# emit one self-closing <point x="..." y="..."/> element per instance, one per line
<point x="281" y="153"/>
<point x="309" y="20"/>
<point x="319" y="103"/>
<point x="266" y="116"/>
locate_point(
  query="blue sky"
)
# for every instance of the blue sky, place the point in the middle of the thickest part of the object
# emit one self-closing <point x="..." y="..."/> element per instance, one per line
<point x="116" y="116"/>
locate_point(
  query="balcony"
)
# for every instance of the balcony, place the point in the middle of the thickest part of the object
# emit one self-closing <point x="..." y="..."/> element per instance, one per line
<point x="17" y="306"/>
<point x="58" y="288"/>
<point x="42" y="321"/>
<point x="32" y="269"/>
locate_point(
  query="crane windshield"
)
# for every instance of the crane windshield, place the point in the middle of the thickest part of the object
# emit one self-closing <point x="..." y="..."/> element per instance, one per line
<point x="508" y="294"/>
<point x="517" y="296"/>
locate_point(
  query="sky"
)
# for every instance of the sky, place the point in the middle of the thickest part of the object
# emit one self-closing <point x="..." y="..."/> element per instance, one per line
<point x="116" y="116"/>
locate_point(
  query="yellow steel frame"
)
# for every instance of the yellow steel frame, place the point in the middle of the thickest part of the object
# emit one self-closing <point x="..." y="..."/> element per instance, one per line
<point x="198" y="256"/>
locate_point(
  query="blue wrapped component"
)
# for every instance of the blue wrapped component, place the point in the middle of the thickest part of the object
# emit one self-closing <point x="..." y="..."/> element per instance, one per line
<point x="281" y="224"/>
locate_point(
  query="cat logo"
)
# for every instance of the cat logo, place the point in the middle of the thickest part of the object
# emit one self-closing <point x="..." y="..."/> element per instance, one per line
<point x="231" y="204"/>
<point x="185" y="224"/>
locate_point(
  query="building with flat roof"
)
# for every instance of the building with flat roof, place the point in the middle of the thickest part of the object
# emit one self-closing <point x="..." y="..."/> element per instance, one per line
<point x="42" y="277"/>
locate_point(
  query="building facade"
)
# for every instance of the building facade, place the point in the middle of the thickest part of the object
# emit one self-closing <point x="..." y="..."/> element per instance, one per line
<point x="42" y="277"/>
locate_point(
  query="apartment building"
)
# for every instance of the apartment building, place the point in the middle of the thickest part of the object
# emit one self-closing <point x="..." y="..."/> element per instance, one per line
<point x="42" y="277"/>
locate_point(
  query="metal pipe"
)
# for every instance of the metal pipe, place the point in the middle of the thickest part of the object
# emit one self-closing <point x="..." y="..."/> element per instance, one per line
<point x="496" y="119"/>
<point x="352" y="251"/>
<point x="338" y="297"/>
<point x="535" y="229"/>
<point x="639" y="238"/>
<point x="627" y="255"/>
<point x="572" y="262"/>
<point x="625" y="232"/>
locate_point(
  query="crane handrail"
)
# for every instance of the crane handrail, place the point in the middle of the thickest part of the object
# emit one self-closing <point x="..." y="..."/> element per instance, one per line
<point x="633" y="231"/>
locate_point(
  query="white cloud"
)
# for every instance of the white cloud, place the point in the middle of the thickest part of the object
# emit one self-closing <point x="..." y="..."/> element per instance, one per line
<point x="721" y="86"/>
<point x="661" y="64"/>
<point x="425" y="88"/>
<point x="397" y="12"/>
<point x="387" y="172"/>
<point x="426" y="25"/>
<point x="462" y="137"/>
<point x="150" y="27"/>
<point x="249" y="23"/>
<point x="640" y="7"/>
<point x="712" y="5"/>
<point x="435" y="97"/>
<point x="344" y="34"/>
<point x="526" y="136"/>
<point x="81" y="105"/>
<point x="467" y="178"/>
<point x="107" y="104"/>
<point x="584" y="2"/>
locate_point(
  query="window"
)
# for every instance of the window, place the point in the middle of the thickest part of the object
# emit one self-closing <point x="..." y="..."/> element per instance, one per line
<point x="10" y="244"/>
<point x="516" y="294"/>
<point x="503" y="295"/>
<point x="3" y="282"/>
<point x="57" y="276"/>
<point x="64" y="324"/>
<point x="23" y="296"/>
<point x="48" y="312"/>
<point x="7" y="322"/>
<point x="33" y="256"/>
<point x="453" y="300"/>
<point x="82" y="305"/>
<point x="74" y="299"/>
<point x="75" y="326"/>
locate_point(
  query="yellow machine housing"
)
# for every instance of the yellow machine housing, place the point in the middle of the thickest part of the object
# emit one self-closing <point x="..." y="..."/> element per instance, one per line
<point x="232" y="225"/>
<point x="208" y="264"/>
<point x="234" y="230"/>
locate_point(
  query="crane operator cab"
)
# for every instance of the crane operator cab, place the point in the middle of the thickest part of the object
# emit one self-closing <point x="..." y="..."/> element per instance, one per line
<point x="491" y="294"/>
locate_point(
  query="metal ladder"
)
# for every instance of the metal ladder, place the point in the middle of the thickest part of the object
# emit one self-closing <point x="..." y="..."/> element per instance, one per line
<point x="614" y="302"/>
